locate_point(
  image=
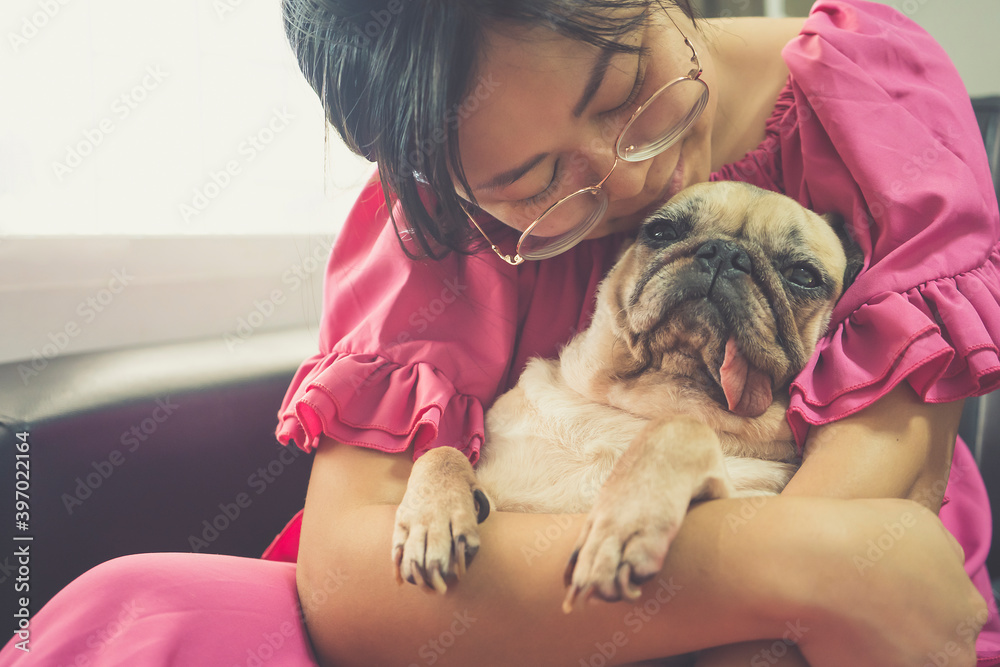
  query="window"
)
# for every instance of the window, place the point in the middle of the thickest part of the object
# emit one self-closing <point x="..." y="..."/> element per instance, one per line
<point x="163" y="119"/>
<point x="165" y="164"/>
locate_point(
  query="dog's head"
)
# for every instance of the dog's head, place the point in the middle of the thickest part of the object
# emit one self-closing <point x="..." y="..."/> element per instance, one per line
<point x="726" y="290"/>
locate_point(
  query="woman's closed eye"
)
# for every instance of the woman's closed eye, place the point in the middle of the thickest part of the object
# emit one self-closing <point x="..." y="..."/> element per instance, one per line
<point x="640" y="76"/>
<point x="549" y="190"/>
<point x="622" y="107"/>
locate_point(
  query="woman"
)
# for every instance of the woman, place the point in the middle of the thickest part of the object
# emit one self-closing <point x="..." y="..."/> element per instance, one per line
<point x="501" y="110"/>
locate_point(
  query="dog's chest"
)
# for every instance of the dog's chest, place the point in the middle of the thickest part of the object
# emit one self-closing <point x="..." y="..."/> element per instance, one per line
<point x="549" y="449"/>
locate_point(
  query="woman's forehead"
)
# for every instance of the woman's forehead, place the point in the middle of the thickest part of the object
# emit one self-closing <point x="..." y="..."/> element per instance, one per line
<point x="533" y="85"/>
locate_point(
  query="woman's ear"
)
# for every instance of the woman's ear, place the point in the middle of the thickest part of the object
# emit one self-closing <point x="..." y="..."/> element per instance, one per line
<point x="855" y="257"/>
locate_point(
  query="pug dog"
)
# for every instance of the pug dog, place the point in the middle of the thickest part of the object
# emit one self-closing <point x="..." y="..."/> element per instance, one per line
<point x="675" y="393"/>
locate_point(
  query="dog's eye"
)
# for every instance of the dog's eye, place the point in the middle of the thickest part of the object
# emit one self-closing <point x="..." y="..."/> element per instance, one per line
<point x="660" y="231"/>
<point x="802" y="275"/>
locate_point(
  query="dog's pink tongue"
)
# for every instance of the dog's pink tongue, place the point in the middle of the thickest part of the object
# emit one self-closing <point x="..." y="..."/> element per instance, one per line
<point x="747" y="389"/>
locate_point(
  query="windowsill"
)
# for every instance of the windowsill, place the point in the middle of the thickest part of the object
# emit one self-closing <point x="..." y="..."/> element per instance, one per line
<point x="66" y="295"/>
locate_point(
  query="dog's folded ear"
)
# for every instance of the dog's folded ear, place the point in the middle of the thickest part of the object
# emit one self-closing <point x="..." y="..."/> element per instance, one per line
<point x="855" y="257"/>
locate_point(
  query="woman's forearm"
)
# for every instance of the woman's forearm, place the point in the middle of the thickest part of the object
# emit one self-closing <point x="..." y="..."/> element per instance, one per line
<point x="508" y="604"/>
<point x="739" y="570"/>
<point x="899" y="447"/>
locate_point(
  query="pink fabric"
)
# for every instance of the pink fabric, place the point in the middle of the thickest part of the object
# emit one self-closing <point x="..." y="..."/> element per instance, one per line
<point x="411" y="351"/>
<point x="874" y="123"/>
<point x="171" y="609"/>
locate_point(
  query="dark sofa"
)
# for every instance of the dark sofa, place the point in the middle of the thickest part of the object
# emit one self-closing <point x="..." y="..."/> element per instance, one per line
<point x="165" y="448"/>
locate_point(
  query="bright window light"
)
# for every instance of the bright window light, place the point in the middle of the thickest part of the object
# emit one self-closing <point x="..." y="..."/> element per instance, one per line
<point x="172" y="118"/>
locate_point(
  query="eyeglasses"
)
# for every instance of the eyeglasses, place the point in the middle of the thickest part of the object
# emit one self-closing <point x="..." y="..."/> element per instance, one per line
<point x="653" y="128"/>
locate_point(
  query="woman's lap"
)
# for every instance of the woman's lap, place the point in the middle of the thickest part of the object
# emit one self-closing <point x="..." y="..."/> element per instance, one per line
<point x="171" y="608"/>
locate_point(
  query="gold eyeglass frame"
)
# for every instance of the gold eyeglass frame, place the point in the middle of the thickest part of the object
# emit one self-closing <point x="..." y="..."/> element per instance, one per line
<point x="694" y="74"/>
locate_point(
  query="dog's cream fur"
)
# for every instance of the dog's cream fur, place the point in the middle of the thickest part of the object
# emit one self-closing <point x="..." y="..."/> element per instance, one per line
<point x="551" y="449"/>
<point x="677" y="391"/>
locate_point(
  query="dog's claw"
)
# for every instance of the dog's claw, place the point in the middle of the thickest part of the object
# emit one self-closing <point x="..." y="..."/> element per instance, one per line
<point x="397" y="562"/>
<point x="569" y="600"/>
<point x="417" y="577"/>
<point x="576" y="592"/>
<point x="458" y="556"/>
<point x="482" y="505"/>
<point x="438" y="582"/>
<point x="461" y="556"/>
<point x="436" y="533"/>
<point x="617" y="552"/>
<point x="625" y="583"/>
<point x="568" y="574"/>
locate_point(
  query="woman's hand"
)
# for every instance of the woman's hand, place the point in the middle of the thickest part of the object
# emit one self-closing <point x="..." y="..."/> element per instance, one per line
<point x="895" y="593"/>
<point x="899" y="447"/>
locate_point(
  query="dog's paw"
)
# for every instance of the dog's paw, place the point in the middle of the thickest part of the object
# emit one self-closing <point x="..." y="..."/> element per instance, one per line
<point x="436" y="533"/>
<point x="639" y="510"/>
<point x="622" y="545"/>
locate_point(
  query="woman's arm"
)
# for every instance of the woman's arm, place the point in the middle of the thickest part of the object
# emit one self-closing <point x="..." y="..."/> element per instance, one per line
<point x="898" y="447"/>
<point x="719" y="585"/>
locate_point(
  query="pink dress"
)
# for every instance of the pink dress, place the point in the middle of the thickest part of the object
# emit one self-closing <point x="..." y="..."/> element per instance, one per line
<point x="874" y="123"/>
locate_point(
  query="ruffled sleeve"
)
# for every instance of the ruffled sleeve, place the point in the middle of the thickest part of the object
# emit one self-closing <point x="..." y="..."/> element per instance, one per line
<point x="876" y="124"/>
<point x="411" y="351"/>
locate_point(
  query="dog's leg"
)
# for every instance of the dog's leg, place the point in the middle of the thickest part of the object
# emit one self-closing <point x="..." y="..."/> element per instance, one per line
<point x="640" y="508"/>
<point x="436" y="533"/>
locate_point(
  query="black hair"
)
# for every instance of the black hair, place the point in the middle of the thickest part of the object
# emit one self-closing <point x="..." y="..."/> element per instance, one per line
<point x="393" y="78"/>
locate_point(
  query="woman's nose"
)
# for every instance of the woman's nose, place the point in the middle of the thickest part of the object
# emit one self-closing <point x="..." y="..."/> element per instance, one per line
<point x="619" y="179"/>
<point x="627" y="180"/>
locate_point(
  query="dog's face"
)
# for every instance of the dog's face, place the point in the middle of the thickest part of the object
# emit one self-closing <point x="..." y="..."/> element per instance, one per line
<point x="727" y="288"/>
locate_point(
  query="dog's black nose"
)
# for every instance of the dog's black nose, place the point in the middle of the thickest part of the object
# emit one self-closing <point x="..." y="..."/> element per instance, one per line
<point x="719" y="255"/>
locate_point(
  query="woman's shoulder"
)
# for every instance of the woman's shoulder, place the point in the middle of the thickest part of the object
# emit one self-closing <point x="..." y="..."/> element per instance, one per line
<point x="746" y="73"/>
<point x="841" y="36"/>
